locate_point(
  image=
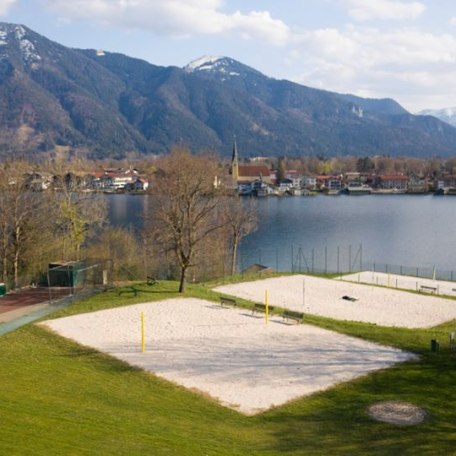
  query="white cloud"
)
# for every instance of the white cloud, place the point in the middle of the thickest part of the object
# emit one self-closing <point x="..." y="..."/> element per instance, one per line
<point x="175" y="17"/>
<point x="400" y="63"/>
<point x="5" y="5"/>
<point x="365" y="10"/>
<point x="406" y="63"/>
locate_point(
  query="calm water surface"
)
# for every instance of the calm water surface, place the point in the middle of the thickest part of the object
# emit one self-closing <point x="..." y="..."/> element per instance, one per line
<point x="404" y="230"/>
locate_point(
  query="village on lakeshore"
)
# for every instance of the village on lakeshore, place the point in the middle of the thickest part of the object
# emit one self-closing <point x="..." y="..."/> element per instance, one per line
<point x="256" y="179"/>
<point x="264" y="176"/>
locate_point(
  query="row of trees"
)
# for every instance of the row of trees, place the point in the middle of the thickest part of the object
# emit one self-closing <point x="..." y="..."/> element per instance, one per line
<point x="379" y="164"/>
<point x="38" y="227"/>
<point x="191" y="217"/>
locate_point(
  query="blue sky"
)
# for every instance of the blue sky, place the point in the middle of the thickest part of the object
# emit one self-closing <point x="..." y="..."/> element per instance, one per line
<point x="403" y="49"/>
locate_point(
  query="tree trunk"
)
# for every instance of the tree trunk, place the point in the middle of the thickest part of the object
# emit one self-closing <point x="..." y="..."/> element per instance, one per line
<point x="5" y="258"/>
<point x="16" y="269"/>
<point x="234" y="257"/>
<point x="182" y="279"/>
<point x="16" y="260"/>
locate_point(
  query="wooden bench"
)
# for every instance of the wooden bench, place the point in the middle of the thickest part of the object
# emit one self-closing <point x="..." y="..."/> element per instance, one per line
<point x="428" y="289"/>
<point x="151" y="280"/>
<point x="258" y="307"/>
<point x="292" y="315"/>
<point x="227" y="301"/>
<point x="132" y="289"/>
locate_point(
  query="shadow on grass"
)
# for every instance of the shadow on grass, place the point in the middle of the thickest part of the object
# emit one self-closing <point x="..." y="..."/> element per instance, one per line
<point x="134" y="290"/>
<point x="104" y="362"/>
<point x="339" y="416"/>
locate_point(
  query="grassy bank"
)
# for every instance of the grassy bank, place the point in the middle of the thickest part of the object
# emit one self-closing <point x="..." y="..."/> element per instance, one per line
<point x="58" y="397"/>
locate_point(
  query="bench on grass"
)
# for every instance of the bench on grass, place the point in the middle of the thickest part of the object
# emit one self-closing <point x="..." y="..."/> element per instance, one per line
<point x="132" y="289"/>
<point x="151" y="280"/>
<point x="426" y="288"/>
<point x="227" y="301"/>
<point x="292" y="315"/>
<point x="258" y="307"/>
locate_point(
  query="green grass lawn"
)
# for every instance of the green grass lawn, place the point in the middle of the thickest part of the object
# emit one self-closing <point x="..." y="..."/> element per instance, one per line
<point x="59" y="398"/>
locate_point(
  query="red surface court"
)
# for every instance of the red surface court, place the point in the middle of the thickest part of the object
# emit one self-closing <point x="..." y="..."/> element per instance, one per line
<point x="27" y="297"/>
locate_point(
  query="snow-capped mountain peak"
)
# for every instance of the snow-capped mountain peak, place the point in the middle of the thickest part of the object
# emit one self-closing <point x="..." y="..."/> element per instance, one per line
<point x="223" y="69"/>
<point x="10" y="33"/>
<point x="204" y="63"/>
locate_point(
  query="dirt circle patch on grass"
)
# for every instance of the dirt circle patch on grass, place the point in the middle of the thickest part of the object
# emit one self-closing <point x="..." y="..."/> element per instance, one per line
<point x="396" y="412"/>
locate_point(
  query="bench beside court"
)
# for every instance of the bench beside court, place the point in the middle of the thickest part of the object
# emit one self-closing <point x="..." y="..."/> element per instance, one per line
<point x="259" y="307"/>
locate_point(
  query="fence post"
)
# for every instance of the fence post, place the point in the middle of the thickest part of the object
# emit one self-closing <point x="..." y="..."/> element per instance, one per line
<point x="326" y="259"/>
<point x="360" y="257"/>
<point x="338" y="260"/>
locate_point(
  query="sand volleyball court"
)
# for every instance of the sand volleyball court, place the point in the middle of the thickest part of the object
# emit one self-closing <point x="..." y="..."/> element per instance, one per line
<point x="227" y="353"/>
<point x="420" y="284"/>
<point x="364" y="303"/>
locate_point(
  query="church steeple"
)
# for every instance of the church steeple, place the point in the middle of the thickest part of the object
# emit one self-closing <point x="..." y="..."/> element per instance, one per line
<point x="235" y="161"/>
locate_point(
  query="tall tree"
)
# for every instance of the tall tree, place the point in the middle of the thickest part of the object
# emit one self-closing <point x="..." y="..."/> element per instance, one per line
<point x="280" y="169"/>
<point x="188" y="206"/>
<point x="77" y="214"/>
<point x="241" y="219"/>
<point x="364" y="165"/>
<point x="21" y="220"/>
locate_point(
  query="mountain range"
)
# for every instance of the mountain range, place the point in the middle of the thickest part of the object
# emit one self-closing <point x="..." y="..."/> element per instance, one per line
<point x="109" y="104"/>
<point x="447" y="115"/>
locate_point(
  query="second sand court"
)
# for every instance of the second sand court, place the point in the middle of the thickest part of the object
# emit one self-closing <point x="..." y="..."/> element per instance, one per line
<point x="347" y="301"/>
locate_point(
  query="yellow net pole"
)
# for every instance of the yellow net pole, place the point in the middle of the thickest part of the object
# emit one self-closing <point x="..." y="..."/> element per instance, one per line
<point x="267" y="306"/>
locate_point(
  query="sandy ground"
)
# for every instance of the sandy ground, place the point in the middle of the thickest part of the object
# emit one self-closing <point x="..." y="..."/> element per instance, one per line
<point x="228" y="354"/>
<point x="405" y="282"/>
<point x="382" y="306"/>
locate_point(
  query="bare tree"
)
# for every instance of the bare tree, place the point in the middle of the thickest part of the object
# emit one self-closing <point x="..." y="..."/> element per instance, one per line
<point x="76" y="212"/>
<point x="121" y="247"/>
<point x="187" y="206"/>
<point x="241" y="219"/>
<point x="21" y="221"/>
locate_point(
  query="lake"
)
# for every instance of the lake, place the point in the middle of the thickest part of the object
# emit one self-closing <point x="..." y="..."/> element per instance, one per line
<point x="338" y="233"/>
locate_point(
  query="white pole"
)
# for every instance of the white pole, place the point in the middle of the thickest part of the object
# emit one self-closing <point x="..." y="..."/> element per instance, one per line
<point x="304" y="294"/>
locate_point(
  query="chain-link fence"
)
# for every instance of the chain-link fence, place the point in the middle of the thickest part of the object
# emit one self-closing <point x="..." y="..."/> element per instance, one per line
<point x="78" y="279"/>
<point x="339" y="260"/>
<point x="211" y="264"/>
